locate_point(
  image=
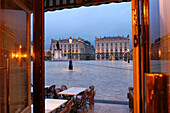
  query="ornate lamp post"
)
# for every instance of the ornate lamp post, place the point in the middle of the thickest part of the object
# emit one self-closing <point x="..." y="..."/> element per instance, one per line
<point x="70" y="62"/>
<point x="128" y="54"/>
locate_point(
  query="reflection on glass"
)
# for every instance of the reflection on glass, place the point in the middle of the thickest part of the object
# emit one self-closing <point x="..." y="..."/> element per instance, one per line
<point x="14" y="46"/>
<point x="160" y="40"/>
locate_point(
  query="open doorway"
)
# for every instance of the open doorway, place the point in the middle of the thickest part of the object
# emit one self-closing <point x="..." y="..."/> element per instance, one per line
<point x="14" y="48"/>
<point x="96" y="30"/>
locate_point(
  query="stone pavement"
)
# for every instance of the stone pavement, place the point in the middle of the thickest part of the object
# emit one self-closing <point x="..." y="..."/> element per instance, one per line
<point x="108" y="108"/>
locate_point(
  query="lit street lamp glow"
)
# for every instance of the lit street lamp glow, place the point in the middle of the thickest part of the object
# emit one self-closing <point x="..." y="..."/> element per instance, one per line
<point x="70" y="62"/>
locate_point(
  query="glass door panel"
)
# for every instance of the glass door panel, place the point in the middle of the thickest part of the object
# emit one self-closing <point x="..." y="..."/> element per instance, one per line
<point x="160" y="52"/>
<point x="14" y="47"/>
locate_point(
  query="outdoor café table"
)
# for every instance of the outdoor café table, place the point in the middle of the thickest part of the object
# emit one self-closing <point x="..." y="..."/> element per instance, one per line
<point x="51" y="104"/>
<point x="73" y="91"/>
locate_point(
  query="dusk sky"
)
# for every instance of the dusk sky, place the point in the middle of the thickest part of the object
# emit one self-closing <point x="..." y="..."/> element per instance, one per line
<point x="88" y="22"/>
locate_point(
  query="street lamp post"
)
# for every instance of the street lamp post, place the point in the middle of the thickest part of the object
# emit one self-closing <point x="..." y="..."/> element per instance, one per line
<point x="70" y="62"/>
<point x="128" y="56"/>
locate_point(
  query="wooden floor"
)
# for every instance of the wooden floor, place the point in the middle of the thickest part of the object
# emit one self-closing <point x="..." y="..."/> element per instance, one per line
<point x="108" y="108"/>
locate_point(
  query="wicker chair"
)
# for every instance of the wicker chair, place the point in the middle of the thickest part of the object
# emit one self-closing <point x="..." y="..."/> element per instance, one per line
<point x="68" y="107"/>
<point x="58" y="90"/>
<point x="91" y="87"/>
<point x="90" y="97"/>
<point x="63" y="87"/>
<point x="51" y="91"/>
<point x="81" y="103"/>
<point x="56" y="96"/>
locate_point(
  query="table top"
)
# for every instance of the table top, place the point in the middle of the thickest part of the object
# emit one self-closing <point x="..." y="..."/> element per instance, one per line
<point x="51" y="104"/>
<point x="72" y="91"/>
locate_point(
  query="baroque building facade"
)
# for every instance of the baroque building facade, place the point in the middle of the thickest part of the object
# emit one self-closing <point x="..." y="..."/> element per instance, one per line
<point x="80" y="49"/>
<point x="158" y="52"/>
<point x="112" y="48"/>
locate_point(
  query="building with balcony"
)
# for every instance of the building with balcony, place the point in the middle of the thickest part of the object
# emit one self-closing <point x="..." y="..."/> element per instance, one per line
<point x="80" y="49"/>
<point x="112" y="48"/>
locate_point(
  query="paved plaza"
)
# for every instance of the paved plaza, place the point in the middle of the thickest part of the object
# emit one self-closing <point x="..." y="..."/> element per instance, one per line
<point x="108" y="108"/>
<point x="110" y="78"/>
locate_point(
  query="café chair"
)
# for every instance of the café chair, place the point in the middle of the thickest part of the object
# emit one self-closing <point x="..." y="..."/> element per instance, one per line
<point x="81" y="103"/>
<point x="68" y="107"/>
<point x="63" y="87"/>
<point x="51" y="91"/>
<point x="56" y="96"/>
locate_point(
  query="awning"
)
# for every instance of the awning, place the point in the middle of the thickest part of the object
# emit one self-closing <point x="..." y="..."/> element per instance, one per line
<point x="51" y="5"/>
